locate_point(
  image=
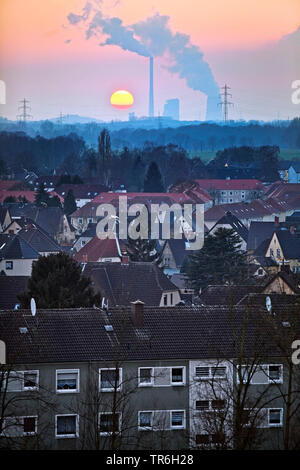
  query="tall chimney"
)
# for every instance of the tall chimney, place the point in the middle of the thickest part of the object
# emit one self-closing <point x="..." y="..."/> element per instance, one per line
<point x="151" y="99"/>
<point x="137" y="313"/>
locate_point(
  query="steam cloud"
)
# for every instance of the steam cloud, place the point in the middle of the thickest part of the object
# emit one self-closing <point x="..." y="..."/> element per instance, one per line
<point x="153" y="37"/>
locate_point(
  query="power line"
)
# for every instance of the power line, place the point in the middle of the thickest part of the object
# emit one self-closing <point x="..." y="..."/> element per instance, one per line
<point x="225" y="103"/>
<point x="24" y="115"/>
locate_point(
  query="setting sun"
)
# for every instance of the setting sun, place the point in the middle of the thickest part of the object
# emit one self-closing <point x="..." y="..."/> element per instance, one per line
<point x="121" y="99"/>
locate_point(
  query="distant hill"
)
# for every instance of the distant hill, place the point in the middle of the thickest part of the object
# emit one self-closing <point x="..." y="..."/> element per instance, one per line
<point x="74" y="119"/>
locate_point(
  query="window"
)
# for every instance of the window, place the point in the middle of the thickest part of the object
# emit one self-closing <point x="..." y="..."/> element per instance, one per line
<point x="261" y="374"/>
<point x="18" y="426"/>
<point x="210" y="405"/>
<point x="275" y="373"/>
<point x="67" y="381"/>
<point x="165" y="300"/>
<point x="177" y="419"/>
<point x="275" y="417"/>
<point x="202" y="405"/>
<point x="83" y="242"/>
<point x="109" y="423"/>
<point x="167" y="261"/>
<point x="9" y="265"/>
<point x="218" y="404"/>
<point x="19" y="381"/>
<point x="214" y="372"/>
<point x="80" y="221"/>
<point x="177" y="376"/>
<point x="145" y="376"/>
<point x="30" y="425"/>
<point x="90" y="221"/>
<point x="31" y="380"/>
<point x="66" y="426"/>
<point x="271" y="252"/>
<point x="145" y="419"/>
<point x="202" y="439"/>
<point x="110" y="379"/>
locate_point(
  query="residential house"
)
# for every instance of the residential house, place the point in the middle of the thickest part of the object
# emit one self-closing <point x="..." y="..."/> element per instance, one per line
<point x="85" y="237"/>
<point x="92" y="211"/>
<point x="10" y="288"/>
<point x="16" y="256"/>
<point x="101" y="251"/>
<point x="172" y="255"/>
<point x="230" y="221"/>
<point x="138" y="377"/>
<point x="83" y="193"/>
<point x="230" y="191"/>
<point x="5" y="218"/>
<point x="282" y="282"/>
<point x="39" y="240"/>
<point x="51" y="219"/>
<point x="117" y="283"/>
<point x="284" y="248"/>
<point x="294" y="173"/>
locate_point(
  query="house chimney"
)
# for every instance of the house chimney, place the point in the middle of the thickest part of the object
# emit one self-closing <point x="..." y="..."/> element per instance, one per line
<point x="124" y="258"/>
<point x="84" y="258"/>
<point x="276" y="220"/>
<point x="292" y="230"/>
<point x="137" y="313"/>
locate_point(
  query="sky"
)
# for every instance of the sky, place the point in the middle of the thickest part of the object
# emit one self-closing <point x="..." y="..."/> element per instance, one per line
<point x="251" y="45"/>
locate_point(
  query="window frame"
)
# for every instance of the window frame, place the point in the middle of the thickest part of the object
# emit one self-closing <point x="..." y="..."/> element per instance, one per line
<point x="108" y="433"/>
<point x="21" y="373"/>
<point x="145" y="428"/>
<point x="68" y="371"/>
<point x="268" y="380"/>
<point x="176" y="384"/>
<point x="119" y="388"/>
<point x="20" y="422"/>
<point x="211" y="376"/>
<point x="146" y="384"/>
<point x="7" y="263"/>
<point x="183" y="426"/>
<point x="67" y="436"/>
<point x="275" y="425"/>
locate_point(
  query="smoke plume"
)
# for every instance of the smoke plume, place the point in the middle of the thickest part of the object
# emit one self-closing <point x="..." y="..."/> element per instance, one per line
<point x="153" y="37"/>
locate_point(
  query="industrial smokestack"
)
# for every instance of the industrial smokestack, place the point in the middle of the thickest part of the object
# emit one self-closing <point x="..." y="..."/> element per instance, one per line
<point x="151" y="99"/>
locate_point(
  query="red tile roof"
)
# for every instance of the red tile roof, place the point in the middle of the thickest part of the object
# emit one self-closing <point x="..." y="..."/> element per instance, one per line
<point x="96" y="249"/>
<point x="89" y="209"/>
<point x="30" y="195"/>
<point x="234" y="184"/>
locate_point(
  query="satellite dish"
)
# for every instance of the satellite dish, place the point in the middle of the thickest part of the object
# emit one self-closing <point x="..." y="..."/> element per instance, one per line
<point x="268" y="304"/>
<point x="33" y="307"/>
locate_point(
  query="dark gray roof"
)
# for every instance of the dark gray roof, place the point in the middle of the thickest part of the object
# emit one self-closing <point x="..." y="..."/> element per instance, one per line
<point x="90" y="231"/>
<point x="3" y="212"/>
<point x="39" y="239"/>
<point x="235" y="223"/>
<point x="261" y="250"/>
<point x="77" y="335"/>
<point x="178" y="250"/>
<point x="15" y="247"/>
<point x="259" y="232"/>
<point x="10" y="288"/>
<point x="288" y="277"/>
<point x="122" y="283"/>
<point x="290" y="244"/>
<point x="226" y="295"/>
<point x="48" y="218"/>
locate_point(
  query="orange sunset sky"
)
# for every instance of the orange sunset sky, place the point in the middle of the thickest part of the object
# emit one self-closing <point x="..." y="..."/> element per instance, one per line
<point x="252" y="45"/>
